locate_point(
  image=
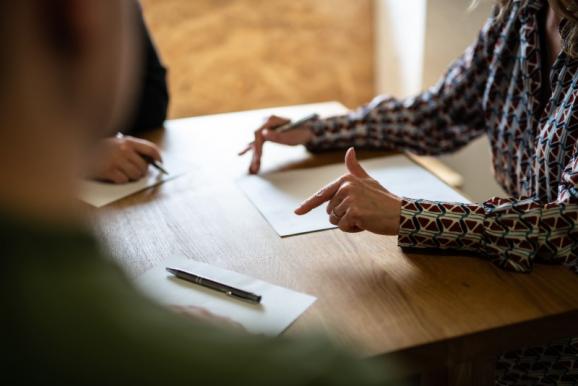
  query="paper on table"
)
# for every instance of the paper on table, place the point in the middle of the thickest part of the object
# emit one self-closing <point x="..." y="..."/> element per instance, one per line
<point x="279" y="307"/>
<point x="99" y="194"/>
<point x="277" y="195"/>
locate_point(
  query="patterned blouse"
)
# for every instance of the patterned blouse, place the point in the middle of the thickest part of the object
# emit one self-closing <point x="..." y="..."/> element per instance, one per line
<point x="496" y="89"/>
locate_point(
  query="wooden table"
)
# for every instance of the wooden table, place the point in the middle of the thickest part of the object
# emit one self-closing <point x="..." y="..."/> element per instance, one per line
<point x="416" y="311"/>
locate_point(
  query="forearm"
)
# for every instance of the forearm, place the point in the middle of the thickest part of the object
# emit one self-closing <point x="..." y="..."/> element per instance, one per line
<point x="513" y="234"/>
<point x="420" y="125"/>
<point x="439" y="120"/>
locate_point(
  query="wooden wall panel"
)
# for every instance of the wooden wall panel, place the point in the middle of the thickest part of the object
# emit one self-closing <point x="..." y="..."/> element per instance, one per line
<point x="230" y="55"/>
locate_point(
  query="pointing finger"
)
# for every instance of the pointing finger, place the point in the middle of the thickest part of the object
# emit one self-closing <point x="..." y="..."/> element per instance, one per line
<point x="324" y="195"/>
<point x="257" y="152"/>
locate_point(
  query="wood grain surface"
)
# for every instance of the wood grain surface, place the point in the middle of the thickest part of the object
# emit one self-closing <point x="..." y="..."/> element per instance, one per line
<point x="232" y="55"/>
<point x="416" y="310"/>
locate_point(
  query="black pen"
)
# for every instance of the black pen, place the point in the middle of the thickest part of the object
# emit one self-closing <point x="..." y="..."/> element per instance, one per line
<point x="223" y="288"/>
<point x="156" y="164"/>
<point x="294" y="125"/>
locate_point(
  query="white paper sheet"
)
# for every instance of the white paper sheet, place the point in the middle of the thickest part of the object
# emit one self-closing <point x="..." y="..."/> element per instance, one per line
<point x="99" y="194"/>
<point x="278" y="309"/>
<point x="277" y="195"/>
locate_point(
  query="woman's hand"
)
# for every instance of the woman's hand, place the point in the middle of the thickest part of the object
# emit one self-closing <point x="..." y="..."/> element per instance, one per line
<point x="357" y="202"/>
<point x="299" y="136"/>
<point x="120" y="160"/>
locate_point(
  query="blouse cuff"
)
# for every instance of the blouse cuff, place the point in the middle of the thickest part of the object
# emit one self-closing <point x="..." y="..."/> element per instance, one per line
<point x="318" y="129"/>
<point x="441" y="225"/>
<point x="330" y="133"/>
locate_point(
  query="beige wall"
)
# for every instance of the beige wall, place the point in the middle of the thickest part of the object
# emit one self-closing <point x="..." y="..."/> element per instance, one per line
<point x="450" y="28"/>
<point x="230" y="55"/>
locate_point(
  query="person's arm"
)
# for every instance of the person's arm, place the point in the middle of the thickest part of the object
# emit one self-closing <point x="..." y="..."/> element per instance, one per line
<point x="153" y="102"/>
<point x="512" y="233"/>
<point x="120" y="160"/>
<point x="76" y="320"/>
<point x="440" y="120"/>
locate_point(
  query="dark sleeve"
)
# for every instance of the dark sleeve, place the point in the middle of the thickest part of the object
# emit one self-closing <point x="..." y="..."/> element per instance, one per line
<point x="153" y="100"/>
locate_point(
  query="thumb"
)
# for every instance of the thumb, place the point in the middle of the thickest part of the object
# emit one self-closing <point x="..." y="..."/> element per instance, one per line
<point x="353" y="165"/>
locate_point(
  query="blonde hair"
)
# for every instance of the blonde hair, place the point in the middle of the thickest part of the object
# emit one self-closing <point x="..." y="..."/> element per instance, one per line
<point x="568" y="10"/>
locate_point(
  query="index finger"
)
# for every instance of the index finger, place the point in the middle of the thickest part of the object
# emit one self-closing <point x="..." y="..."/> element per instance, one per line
<point x="270" y="123"/>
<point x="325" y="194"/>
<point x="257" y="152"/>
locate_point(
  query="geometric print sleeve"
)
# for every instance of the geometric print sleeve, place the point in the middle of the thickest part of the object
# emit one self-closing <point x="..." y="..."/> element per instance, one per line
<point x="440" y="120"/>
<point x="512" y="233"/>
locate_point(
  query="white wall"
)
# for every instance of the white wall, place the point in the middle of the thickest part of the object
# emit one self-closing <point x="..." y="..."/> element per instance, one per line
<point x="400" y="46"/>
<point x="416" y="41"/>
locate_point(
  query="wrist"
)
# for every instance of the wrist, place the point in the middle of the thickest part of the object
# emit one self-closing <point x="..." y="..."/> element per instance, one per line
<point x="407" y="213"/>
<point x="393" y="213"/>
<point x="397" y="221"/>
<point x="316" y="131"/>
<point x="308" y="128"/>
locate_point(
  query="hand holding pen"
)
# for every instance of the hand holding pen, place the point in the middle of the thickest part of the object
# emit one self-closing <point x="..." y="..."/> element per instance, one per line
<point x="153" y="158"/>
<point x="123" y="159"/>
<point x="279" y="130"/>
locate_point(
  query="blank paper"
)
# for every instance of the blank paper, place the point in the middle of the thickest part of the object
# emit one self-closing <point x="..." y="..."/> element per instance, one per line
<point x="279" y="307"/>
<point x="277" y="195"/>
<point x="99" y="194"/>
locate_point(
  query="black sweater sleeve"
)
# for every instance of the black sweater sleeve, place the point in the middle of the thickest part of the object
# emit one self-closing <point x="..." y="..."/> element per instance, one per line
<point x="153" y="98"/>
